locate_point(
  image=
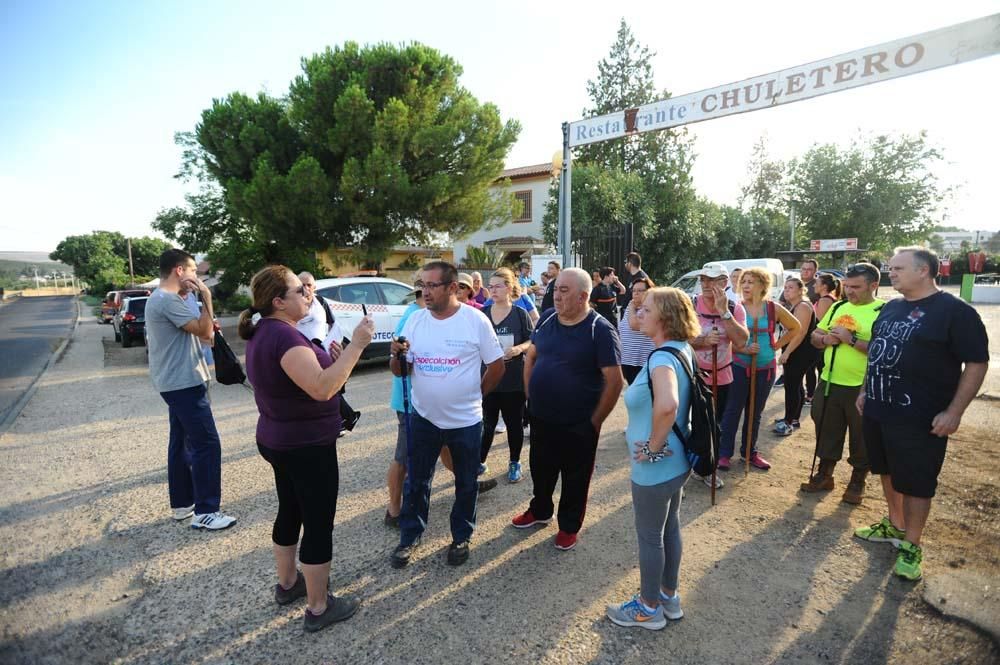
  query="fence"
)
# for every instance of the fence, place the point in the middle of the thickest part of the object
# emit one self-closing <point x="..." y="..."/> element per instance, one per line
<point x="607" y="247"/>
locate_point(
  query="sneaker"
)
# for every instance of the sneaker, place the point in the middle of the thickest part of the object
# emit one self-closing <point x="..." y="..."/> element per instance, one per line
<point x="514" y="474"/>
<point x="482" y="469"/>
<point x="183" y="513"/>
<point x="337" y="609"/>
<point x="402" y="554"/>
<point x="723" y="464"/>
<point x="908" y="561"/>
<point x="783" y="428"/>
<point x="501" y="427"/>
<point x="350" y="423"/>
<point x="708" y="480"/>
<point x="526" y="520"/>
<point x="796" y="424"/>
<point x="780" y="381"/>
<point x="565" y="541"/>
<point x="487" y="485"/>
<point x="881" y="532"/>
<point x="671" y="606"/>
<point x="283" y="596"/>
<point x="390" y="521"/>
<point x="527" y="430"/>
<point x="632" y="613"/>
<point x="458" y="553"/>
<point x="758" y="462"/>
<point x="212" y="521"/>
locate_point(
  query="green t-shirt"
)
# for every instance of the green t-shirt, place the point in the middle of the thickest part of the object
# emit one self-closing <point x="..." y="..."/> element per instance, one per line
<point x="849" y="365"/>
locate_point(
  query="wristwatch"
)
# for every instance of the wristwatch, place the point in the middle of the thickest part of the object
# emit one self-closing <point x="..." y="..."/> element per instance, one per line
<point x="854" y="339"/>
<point x="728" y="315"/>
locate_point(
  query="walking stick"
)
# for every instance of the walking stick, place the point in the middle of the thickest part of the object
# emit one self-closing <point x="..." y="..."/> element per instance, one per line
<point x="826" y="403"/>
<point x="401" y="356"/>
<point x="715" y="404"/>
<point x="750" y="412"/>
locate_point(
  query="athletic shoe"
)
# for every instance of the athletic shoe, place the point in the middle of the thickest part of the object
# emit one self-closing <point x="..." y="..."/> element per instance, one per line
<point x="780" y="381"/>
<point x="212" y="521"/>
<point x="565" y="541"/>
<point x="402" y="554"/>
<point x="283" y="596"/>
<point x="482" y="469"/>
<point x="487" y="485"/>
<point x="458" y="553"/>
<point x="632" y="613"/>
<point x="527" y="430"/>
<point x="514" y="474"/>
<point x="796" y="424"/>
<point x="390" y="521"/>
<point x="351" y="422"/>
<point x="501" y="427"/>
<point x="671" y="606"/>
<point x="708" y="480"/>
<point x="881" y="532"/>
<point x="526" y="520"/>
<point x="337" y="609"/>
<point x="758" y="462"/>
<point x="183" y="513"/>
<point x="783" y="428"/>
<point x="723" y="464"/>
<point x="908" y="561"/>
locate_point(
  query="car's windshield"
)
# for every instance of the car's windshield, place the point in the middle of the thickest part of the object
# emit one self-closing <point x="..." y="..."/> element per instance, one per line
<point x="137" y="306"/>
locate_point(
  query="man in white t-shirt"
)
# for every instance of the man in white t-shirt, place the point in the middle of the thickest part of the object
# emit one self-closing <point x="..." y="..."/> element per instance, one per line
<point x="446" y="346"/>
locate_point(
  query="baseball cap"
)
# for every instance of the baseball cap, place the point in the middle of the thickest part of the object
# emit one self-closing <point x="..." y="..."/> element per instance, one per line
<point x="713" y="270"/>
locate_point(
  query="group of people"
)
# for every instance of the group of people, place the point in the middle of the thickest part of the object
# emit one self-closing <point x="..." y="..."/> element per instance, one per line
<point x="897" y="376"/>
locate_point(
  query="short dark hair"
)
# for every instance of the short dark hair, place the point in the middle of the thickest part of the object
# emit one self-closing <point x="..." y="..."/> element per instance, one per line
<point x="924" y="257"/>
<point x="172" y="258"/>
<point x="812" y="261"/>
<point x="864" y="269"/>
<point x="605" y="271"/>
<point x="556" y="264"/>
<point x="523" y="264"/>
<point x="634" y="259"/>
<point x="449" y="273"/>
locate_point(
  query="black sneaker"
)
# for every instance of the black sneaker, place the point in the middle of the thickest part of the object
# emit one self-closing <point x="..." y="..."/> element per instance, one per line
<point x="352" y="421"/>
<point x="458" y="553"/>
<point x="284" y="596"/>
<point x="391" y="521"/>
<point x="401" y="555"/>
<point x="487" y="485"/>
<point x="337" y="609"/>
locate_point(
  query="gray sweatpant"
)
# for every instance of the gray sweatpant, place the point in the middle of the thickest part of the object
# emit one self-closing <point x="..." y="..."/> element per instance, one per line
<point x="658" y="527"/>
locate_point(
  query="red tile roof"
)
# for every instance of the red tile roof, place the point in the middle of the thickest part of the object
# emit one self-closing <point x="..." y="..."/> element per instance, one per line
<point x="528" y="171"/>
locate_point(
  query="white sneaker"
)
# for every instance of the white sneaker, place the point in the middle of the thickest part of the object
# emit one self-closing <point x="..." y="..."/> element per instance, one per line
<point x="501" y="427"/>
<point x="527" y="430"/>
<point x="183" y="513"/>
<point x="708" y="480"/>
<point x="212" y="521"/>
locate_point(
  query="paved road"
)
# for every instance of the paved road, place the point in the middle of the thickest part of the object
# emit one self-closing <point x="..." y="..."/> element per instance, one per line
<point x="30" y="330"/>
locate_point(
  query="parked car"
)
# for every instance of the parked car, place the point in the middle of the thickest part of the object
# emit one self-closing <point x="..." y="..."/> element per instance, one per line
<point x="385" y="299"/>
<point x="113" y="302"/>
<point x="129" y="321"/>
<point x="690" y="285"/>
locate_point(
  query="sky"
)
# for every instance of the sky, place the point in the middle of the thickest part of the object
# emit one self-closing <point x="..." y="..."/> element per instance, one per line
<point x="91" y="93"/>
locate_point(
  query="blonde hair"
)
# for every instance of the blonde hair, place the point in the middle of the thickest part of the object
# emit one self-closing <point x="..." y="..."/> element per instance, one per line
<point x="674" y="312"/>
<point x="763" y="278"/>
<point x="269" y="283"/>
<point x="507" y="275"/>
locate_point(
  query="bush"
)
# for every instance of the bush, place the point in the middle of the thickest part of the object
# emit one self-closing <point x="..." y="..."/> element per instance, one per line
<point x="237" y="302"/>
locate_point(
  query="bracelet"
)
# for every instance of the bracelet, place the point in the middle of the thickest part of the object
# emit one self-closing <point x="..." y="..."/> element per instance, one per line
<point x="653" y="457"/>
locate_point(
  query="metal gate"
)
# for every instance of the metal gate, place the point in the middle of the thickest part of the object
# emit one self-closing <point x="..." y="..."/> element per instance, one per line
<point x="605" y="247"/>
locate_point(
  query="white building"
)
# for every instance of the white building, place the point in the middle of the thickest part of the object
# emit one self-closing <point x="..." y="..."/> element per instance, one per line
<point x="521" y="236"/>
<point x="951" y="241"/>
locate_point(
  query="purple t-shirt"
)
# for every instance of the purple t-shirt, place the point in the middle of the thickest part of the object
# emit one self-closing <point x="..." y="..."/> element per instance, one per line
<point x="289" y="418"/>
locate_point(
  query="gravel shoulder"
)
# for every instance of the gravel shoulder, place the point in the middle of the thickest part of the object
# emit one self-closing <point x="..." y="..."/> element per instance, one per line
<point x="94" y="570"/>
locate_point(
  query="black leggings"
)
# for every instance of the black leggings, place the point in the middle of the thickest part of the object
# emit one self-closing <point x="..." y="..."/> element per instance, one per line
<point x="811" y="375"/>
<point x="795" y="394"/>
<point x="511" y="406"/>
<point x="307" y="480"/>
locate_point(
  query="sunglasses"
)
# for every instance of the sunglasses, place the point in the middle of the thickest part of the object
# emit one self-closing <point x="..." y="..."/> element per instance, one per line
<point x="859" y="269"/>
<point x="301" y="290"/>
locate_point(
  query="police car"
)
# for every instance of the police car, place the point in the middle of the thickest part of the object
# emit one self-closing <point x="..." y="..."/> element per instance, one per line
<point x="385" y="299"/>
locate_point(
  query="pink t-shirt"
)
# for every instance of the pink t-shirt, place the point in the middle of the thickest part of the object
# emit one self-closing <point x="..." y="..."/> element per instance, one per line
<point x="708" y="318"/>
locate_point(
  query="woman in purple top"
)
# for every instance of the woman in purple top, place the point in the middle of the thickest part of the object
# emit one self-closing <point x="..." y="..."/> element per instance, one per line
<point x="295" y="386"/>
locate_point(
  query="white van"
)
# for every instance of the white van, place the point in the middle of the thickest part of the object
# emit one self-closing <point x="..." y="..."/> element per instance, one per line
<point x="690" y="285"/>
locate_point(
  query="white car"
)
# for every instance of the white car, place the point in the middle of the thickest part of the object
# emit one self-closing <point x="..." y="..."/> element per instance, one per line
<point x="385" y="299"/>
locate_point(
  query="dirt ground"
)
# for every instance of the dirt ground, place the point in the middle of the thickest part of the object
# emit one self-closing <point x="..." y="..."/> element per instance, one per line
<point x="92" y="569"/>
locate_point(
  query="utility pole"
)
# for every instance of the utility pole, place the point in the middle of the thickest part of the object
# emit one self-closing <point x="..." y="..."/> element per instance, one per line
<point x="131" y="271"/>
<point x="791" y="226"/>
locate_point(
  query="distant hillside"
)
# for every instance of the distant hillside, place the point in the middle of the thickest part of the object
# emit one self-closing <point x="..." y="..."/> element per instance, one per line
<point x="12" y="267"/>
<point x="28" y="257"/>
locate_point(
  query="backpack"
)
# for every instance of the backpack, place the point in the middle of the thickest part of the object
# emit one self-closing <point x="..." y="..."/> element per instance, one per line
<point x="228" y="370"/>
<point x="330" y="318"/>
<point x="702" y="446"/>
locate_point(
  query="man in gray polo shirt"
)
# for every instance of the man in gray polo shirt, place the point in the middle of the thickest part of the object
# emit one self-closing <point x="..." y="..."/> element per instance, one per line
<point x="178" y="371"/>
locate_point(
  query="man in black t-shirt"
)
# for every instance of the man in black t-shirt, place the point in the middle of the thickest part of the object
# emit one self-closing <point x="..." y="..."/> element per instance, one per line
<point x="633" y="273"/>
<point x="927" y="358"/>
<point x="572" y="372"/>
<point x="604" y="296"/>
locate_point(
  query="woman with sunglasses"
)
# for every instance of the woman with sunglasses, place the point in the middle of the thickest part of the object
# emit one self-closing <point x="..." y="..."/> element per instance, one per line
<point x="466" y="291"/>
<point x="296" y="385"/>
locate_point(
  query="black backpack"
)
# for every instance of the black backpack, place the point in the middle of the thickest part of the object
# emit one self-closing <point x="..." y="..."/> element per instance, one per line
<point x="702" y="447"/>
<point x="228" y="370"/>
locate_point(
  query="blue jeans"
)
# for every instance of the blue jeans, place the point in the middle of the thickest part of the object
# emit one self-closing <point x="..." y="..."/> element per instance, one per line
<point x="738" y="402"/>
<point x="194" y="455"/>
<point x="427" y="441"/>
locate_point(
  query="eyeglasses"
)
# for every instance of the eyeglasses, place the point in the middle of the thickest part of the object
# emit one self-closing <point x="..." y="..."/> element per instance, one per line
<point x="434" y="285"/>
<point x="301" y="290"/>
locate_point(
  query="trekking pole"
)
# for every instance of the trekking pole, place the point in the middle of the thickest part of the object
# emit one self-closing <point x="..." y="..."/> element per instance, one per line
<point x="715" y="405"/>
<point x="401" y="358"/>
<point x="822" y="415"/>
<point x="750" y="412"/>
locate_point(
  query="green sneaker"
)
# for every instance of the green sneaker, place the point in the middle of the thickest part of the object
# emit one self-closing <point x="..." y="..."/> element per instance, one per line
<point x="908" y="561"/>
<point x="881" y="532"/>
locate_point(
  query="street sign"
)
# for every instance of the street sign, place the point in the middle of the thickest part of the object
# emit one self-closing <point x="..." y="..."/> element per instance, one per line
<point x="835" y="245"/>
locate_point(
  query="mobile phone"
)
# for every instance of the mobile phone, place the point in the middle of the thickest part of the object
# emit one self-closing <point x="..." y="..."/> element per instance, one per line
<point x="364" y="310"/>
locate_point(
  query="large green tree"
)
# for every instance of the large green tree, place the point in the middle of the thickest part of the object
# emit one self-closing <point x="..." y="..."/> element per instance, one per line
<point x="101" y="258"/>
<point x="373" y="146"/>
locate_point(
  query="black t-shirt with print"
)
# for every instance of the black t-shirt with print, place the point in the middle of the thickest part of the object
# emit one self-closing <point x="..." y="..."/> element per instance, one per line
<point x="604" y="299"/>
<point x="513" y="330"/>
<point x="916" y="354"/>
